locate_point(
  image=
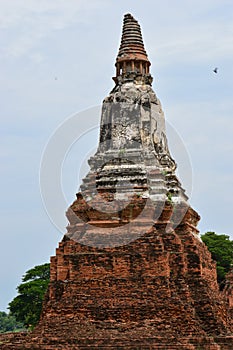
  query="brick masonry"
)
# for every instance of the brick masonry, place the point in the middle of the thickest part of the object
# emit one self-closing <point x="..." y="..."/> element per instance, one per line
<point x="158" y="292"/>
<point x="131" y="272"/>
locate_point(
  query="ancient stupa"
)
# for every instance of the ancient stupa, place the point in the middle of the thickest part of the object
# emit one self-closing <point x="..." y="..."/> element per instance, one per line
<point x="131" y="272"/>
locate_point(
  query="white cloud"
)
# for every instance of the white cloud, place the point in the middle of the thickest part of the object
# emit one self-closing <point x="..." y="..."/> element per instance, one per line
<point x="59" y="12"/>
<point x="15" y="12"/>
<point x="192" y="33"/>
<point x="30" y="22"/>
<point x="200" y="42"/>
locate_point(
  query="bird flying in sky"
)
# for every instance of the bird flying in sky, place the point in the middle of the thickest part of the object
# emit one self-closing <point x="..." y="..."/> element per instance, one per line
<point x="215" y="70"/>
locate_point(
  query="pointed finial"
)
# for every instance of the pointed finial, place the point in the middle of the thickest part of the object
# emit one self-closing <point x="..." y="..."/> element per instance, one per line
<point x="131" y="41"/>
<point x="132" y="56"/>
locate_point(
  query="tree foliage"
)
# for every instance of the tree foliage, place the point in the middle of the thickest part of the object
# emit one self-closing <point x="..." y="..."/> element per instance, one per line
<point x="221" y="248"/>
<point x="27" y="305"/>
<point x="8" y="323"/>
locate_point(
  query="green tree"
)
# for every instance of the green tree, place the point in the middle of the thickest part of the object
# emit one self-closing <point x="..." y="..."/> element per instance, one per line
<point x="8" y="323"/>
<point x="27" y="305"/>
<point x="221" y="248"/>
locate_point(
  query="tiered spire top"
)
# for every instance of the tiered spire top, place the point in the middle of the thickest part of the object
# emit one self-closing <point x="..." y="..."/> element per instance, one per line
<point x="132" y="46"/>
<point x="132" y="61"/>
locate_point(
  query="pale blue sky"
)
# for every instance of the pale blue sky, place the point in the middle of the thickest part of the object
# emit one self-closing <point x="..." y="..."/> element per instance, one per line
<point x="57" y="58"/>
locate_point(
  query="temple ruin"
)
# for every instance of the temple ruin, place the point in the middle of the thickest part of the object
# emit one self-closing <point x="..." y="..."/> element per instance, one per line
<point x="131" y="272"/>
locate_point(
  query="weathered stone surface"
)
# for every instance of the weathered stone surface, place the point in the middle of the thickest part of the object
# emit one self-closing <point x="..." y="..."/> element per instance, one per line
<point x="131" y="271"/>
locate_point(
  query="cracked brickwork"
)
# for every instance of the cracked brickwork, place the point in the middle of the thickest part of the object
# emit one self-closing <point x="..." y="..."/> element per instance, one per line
<point x="131" y="272"/>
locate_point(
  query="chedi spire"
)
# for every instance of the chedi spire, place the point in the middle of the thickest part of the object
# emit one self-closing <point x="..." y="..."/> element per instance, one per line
<point x="131" y="272"/>
<point x="132" y="60"/>
<point x="132" y="130"/>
